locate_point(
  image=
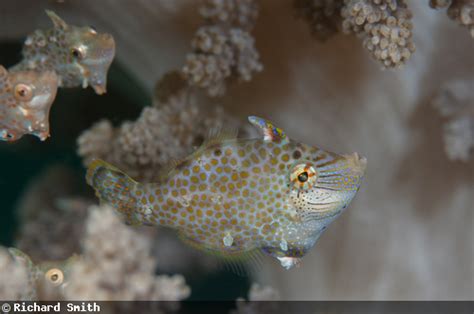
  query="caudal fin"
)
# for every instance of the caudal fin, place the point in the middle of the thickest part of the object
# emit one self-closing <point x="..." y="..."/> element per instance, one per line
<point x="112" y="186"/>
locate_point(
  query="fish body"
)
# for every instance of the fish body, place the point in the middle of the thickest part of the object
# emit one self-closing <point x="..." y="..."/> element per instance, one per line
<point x="234" y="196"/>
<point x="79" y="55"/>
<point x="25" y="101"/>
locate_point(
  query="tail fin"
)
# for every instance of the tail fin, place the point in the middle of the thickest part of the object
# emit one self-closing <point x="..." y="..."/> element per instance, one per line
<point x="114" y="187"/>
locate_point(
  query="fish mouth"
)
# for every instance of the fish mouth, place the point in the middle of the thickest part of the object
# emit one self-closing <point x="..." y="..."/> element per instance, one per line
<point x="100" y="63"/>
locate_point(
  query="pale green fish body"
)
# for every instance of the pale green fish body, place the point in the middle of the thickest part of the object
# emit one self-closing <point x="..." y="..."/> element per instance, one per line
<point x="44" y="277"/>
<point x="79" y="55"/>
<point x="25" y="101"/>
<point x="236" y="196"/>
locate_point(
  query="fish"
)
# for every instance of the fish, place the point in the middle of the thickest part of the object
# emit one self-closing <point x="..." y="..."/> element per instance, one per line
<point x="79" y="55"/>
<point x="26" y="98"/>
<point x="240" y="198"/>
<point x="47" y="278"/>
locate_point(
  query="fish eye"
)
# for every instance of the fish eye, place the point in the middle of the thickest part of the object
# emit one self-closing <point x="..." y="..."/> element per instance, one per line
<point x="23" y="92"/>
<point x="77" y="53"/>
<point x="55" y="276"/>
<point x="303" y="176"/>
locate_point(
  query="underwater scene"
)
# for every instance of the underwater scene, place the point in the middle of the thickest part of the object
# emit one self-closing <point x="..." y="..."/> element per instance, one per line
<point x="237" y="151"/>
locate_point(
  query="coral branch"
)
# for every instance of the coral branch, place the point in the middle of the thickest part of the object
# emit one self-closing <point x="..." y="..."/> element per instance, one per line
<point x="461" y="11"/>
<point x="223" y="49"/>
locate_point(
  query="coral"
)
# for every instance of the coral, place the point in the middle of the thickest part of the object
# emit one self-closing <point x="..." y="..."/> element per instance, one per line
<point x="116" y="264"/>
<point x="455" y="102"/>
<point x="259" y="293"/>
<point x="161" y="133"/>
<point x="14" y="279"/>
<point x="384" y="26"/>
<point x="461" y="11"/>
<point x="51" y="215"/>
<point x="223" y="49"/>
<point x="323" y="16"/>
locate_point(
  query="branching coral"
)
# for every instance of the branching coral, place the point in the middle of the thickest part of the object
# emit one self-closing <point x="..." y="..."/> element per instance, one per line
<point x="161" y="133"/>
<point x="455" y="102"/>
<point x="384" y="26"/>
<point x="461" y="11"/>
<point x="13" y="277"/>
<point x="223" y="49"/>
<point x="117" y="265"/>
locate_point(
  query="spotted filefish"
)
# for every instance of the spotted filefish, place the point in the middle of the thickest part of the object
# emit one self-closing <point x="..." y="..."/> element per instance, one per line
<point x="46" y="278"/>
<point x="25" y="101"/>
<point x="80" y="55"/>
<point x="236" y="197"/>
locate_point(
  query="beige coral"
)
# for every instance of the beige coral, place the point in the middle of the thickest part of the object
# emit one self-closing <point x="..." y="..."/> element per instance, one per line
<point x="223" y="49"/>
<point x="117" y="265"/>
<point x="384" y="26"/>
<point x="13" y="277"/>
<point x="461" y="11"/>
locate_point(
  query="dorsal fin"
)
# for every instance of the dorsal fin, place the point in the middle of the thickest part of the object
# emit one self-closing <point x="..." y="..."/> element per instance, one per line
<point x="218" y="135"/>
<point x="271" y="133"/>
<point x="167" y="169"/>
<point x="22" y="257"/>
<point x="58" y="22"/>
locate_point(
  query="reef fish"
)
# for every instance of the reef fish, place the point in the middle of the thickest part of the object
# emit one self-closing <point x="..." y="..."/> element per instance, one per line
<point x="46" y="280"/>
<point x="80" y="55"/>
<point x="236" y="197"/>
<point x="25" y="101"/>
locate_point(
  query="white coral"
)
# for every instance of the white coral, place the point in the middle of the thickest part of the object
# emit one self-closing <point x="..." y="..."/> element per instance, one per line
<point x="117" y="265"/>
<point x="13" y="277"/>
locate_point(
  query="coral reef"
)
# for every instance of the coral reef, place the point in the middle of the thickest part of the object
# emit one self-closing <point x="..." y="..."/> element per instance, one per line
<point x="461" y="11"/>
<point x="455" y="102"/>
<point x="384" y="26"/>
<point x="223" y="49"/>
<point x="14" y="280"/>
<point x="111" y="250"/>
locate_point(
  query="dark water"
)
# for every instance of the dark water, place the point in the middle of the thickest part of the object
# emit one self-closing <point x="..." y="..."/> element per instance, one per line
<point x="73" y="111"/>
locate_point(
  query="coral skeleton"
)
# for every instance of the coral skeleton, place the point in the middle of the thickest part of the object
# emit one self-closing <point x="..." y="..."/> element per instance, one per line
<point x="223" y="48"/>
<point x="455" y="103"/>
